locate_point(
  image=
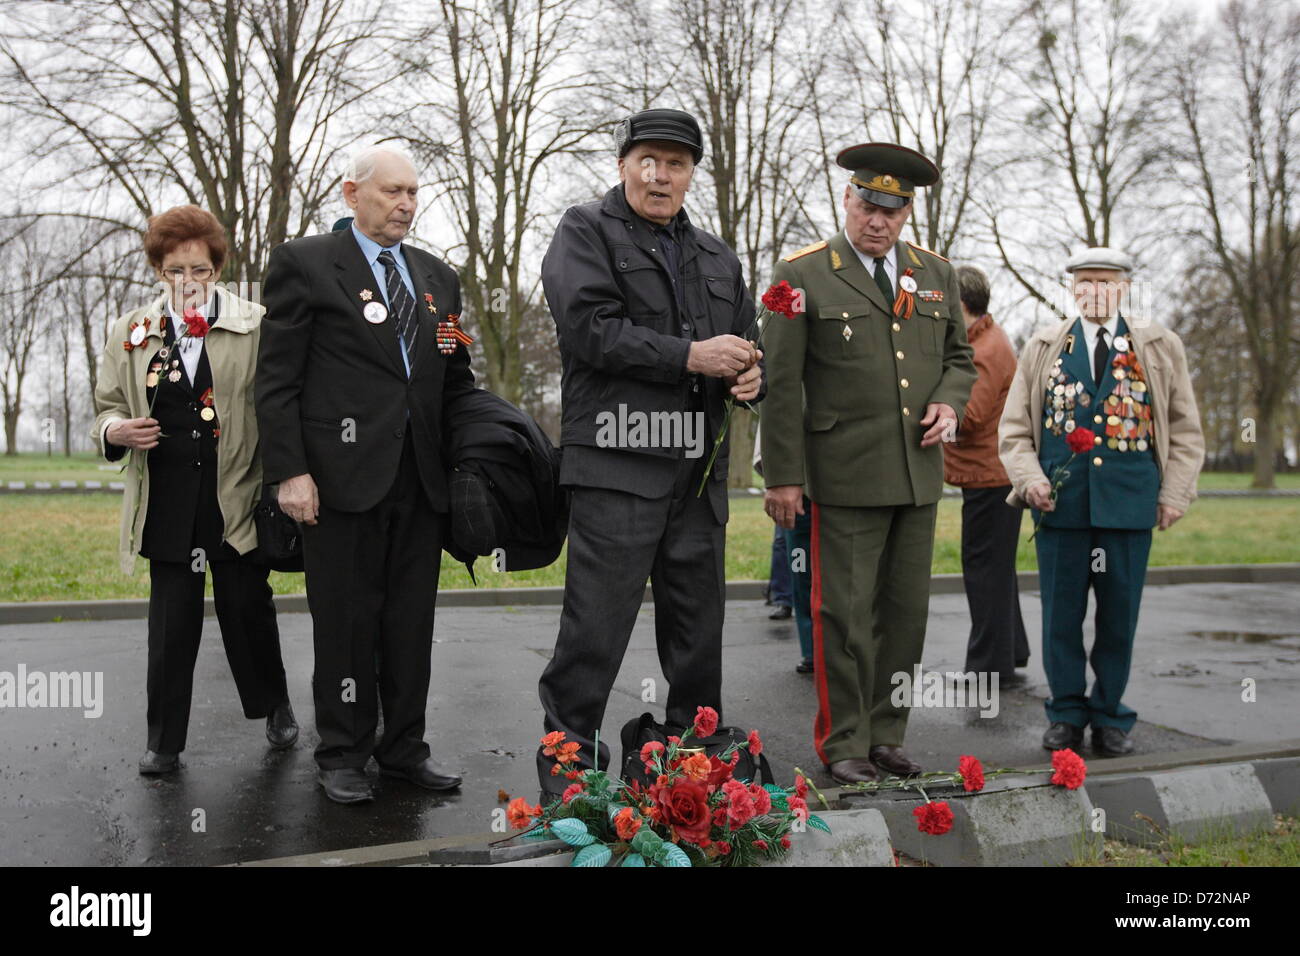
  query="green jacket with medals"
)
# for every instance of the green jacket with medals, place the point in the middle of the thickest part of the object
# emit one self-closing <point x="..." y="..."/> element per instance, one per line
<point x="848" y="381"/>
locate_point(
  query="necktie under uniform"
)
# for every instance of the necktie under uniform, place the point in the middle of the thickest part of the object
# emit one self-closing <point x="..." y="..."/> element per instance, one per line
<point x="882" y="280"/>
<point x="1100" y="352"/>
<point x="400" y="302"/>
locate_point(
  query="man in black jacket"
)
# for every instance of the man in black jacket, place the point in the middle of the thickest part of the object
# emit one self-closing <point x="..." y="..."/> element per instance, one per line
<point x="652" y="317"/>
<point x="353" y="380"/>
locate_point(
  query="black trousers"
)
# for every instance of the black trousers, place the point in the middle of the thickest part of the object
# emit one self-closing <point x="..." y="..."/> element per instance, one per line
<point x="246" y="616"/>
<point x="990" y="531"/>
<point x="616" y="541"/>
<point x="372" y="582"/>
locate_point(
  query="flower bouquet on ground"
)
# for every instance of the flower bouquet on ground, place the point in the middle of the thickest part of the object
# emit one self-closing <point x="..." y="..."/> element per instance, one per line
<point x="936" y="817"/>
<point x="694" y="814"/>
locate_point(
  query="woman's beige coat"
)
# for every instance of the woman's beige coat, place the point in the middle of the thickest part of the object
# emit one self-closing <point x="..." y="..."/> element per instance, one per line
<point x="231" y="346"/>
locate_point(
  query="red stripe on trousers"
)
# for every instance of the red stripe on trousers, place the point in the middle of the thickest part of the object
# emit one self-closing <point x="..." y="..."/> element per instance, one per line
<point x="822" y="725"/>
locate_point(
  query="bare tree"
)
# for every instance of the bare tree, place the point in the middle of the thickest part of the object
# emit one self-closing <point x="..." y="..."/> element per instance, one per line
<point x="1075" y="168"/>
<point x="1237" y="88"/>
<point x="229" y="104"/>
<point x="500" y="99"/>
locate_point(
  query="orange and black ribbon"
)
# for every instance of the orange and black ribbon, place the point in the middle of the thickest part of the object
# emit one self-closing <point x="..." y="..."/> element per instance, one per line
<point x="905" y="301"/>
<point x="450" y="333"/>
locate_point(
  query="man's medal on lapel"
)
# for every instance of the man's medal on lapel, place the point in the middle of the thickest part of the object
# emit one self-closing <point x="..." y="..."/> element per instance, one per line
<point x="905" y="301"/>
<point x="449" y="333"/>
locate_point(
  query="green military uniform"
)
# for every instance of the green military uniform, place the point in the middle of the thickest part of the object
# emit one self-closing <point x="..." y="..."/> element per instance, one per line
<point x="849" y="380"/>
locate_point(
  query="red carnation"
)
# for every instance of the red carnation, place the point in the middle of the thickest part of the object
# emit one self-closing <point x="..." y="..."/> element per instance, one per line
<point x="785" y="843"/>
<point x="761" y="844"/>
<point x="684" y="806"/>
<point x="800" y="786"/>
<point x="648" y="752"/>
<point x="781" y="298"/>
<point x="195" y="324"/>
<point x="755" y="743"/>
<point x="1080" y="440"/>
<point x="571" y="791"/>
<point x="706" y="721"/>
<point x="933" y="817"/>
<point x="723" y="847"/>
<point x="1070" y="769"/>
<point x="740" y="804"/>
<point x="798" y="806"/>
<point x="762" y="799"/>
<point x="972" y="774"/>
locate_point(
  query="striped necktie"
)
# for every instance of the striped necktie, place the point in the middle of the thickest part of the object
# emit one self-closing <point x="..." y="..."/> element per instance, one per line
<point x="401" y="302"/>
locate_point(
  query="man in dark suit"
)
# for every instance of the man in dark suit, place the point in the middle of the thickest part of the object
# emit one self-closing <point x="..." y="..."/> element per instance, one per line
<point x="355" y="369"/>
<point x="651" y="315"/>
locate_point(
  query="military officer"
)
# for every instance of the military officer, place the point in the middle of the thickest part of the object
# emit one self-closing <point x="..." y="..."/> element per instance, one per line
<point x="868" y="371"/>
<point x="1124" y="387"/>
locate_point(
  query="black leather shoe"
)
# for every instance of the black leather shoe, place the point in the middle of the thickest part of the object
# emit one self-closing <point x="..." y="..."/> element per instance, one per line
<point x="1110" y="742"/>
<point x="853" y="770"/>
<point x="890" y="758"/>
<point x="783" y="612"/>
<point x="805" y="666"/>
<point x="424" y="775"/>
<point x="347" y="785"/>
<point x="152" y="764"/>
<point x="281" y="728"/>
<point x="1063" y="736"/>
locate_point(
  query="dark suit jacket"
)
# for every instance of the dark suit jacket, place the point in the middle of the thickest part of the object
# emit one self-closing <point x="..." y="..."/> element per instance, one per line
<point x="624" y="339"/>
<point x="333" y="398"/>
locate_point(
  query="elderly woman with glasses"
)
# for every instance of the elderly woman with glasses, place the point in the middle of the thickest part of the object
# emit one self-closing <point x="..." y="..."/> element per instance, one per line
<point x="174" y="397"/>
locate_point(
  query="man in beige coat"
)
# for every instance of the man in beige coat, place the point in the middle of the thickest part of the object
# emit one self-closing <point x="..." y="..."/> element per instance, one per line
<point x="1101" y="438"/>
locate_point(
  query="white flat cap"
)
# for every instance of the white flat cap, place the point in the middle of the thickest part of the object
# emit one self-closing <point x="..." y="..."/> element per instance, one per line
<point x="1099" y="257"/>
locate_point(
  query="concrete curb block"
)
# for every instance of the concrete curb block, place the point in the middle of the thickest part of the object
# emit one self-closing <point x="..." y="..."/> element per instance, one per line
<point x="1193" y="803"/>
<point x="41" y="612"/>
<point x="1014" y="821"/>
<point x="1280" y="778"/>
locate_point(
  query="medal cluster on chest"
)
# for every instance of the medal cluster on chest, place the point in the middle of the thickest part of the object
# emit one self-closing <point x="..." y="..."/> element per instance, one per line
<point x="1124" y="410"/>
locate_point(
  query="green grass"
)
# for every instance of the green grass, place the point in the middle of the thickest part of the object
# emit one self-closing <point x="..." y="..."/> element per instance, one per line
<point x="83" y="465"/>
<point x="64" y="547"/>
<point x="37" y="466"/>
<point x="1277" y="846"/>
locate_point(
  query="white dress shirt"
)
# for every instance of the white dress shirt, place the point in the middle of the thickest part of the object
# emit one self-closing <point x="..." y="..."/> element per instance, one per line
<point x="891" y="269"/>
<point x="189" y="348"/>
<point x="1090" y="330"/>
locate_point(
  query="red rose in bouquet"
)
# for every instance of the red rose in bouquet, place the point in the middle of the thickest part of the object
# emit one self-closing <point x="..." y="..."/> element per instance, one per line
<point x="683" y="805"/>
<point x="1070" y="769"/>
<point x="626" y="823"/>
<point x="972" y="773"/>
<point x="721" y="772"/>
<point x="935" y="818"/>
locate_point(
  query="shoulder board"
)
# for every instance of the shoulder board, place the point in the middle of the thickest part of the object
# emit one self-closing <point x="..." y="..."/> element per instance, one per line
<point x="806" y="250"/>
<point x="926" y="251"/>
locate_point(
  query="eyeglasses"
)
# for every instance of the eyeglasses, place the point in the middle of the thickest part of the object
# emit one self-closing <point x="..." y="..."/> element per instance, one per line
<point x="200" y="274"/>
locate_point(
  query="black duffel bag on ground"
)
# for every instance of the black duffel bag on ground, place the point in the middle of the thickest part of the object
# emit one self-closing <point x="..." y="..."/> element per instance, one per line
<point x="644" y="729"/>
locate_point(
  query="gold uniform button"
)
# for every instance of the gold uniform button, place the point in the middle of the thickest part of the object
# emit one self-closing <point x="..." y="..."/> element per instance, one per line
<point x="899" y="354"/>
<point x="1096" y="419"/>
<point x="906" y="410"/>
<point x="897" y="327"/>
<point x="903" y="382"/>
<point x="1096" y="440"/>
<point x="1097" y="461"/>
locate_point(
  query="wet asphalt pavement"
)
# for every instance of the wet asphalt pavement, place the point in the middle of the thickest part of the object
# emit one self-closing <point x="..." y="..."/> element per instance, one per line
<point x="70" y="794"/>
